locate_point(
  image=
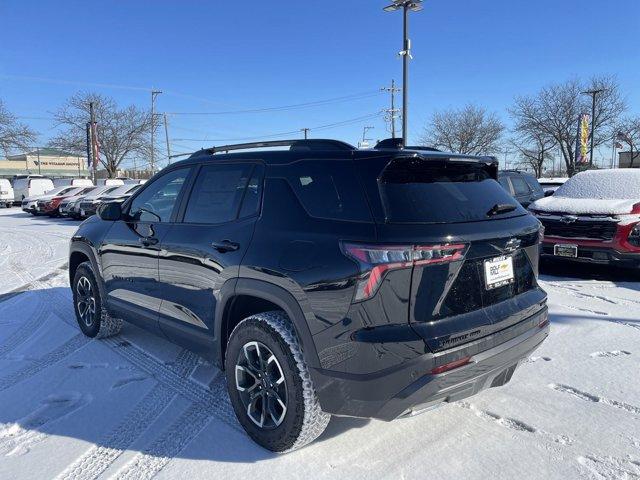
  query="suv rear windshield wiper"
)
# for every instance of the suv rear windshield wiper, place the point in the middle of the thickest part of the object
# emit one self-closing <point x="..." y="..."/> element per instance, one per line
<point x="499" y="208"/>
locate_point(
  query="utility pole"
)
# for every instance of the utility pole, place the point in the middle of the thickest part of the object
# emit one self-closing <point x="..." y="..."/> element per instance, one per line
<point x="166" y="137"/>
<point x="365" y="140"/>
<point x="154" y="94"/>
<point x="92" y="136"/>
<point x="405" y="53"/>
<point x="593" y="94"/>
<point x="393" y="111"/>
<point x="306" y="132"/>
<point x="38" y="154"/>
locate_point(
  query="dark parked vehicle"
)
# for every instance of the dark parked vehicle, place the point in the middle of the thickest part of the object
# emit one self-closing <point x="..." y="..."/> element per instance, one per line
<point x="322" y="279"/>
<point x="120" y="194"/>
<point x="88" y="205"/>
<point x="523" y="186"/>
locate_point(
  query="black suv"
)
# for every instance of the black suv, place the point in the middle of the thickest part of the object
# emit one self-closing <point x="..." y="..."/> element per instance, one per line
<point x="523" y="186"/>
<point x="323" y="279"/>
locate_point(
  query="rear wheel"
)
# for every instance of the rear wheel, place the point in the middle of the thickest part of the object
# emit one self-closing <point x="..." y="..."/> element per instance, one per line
<point x="93" y="319"/>
<point x="269" y="384"/>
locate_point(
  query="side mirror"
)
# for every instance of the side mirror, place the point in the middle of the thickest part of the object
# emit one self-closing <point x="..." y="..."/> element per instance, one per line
<point x="111" y="211"/>
<point x="548" y="193"/>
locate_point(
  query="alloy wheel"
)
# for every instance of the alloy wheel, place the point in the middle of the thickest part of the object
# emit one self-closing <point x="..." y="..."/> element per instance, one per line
<point x="85" y="301"/>
<point x="261" y="385"/>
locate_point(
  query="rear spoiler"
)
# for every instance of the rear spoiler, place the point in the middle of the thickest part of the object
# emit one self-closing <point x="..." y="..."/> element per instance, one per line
<point x="488" y="164"/>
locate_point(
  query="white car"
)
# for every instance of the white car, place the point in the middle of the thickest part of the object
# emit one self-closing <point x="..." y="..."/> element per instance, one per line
<point x="72" y="182"/>
<point x="25" y="186"/>
<point x="109" y="182"/>
<point x="6" y="193"/>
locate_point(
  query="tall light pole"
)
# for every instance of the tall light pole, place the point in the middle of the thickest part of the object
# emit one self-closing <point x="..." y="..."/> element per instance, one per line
<point x="593" y="94"/>
<point x="406" y="6"/>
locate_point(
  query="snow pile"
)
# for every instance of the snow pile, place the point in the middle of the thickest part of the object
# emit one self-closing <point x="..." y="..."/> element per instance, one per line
<point x="612" y="192"/>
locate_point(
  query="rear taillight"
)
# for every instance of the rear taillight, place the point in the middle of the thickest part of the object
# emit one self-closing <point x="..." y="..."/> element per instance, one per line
<point x="376" y="260"/>
<point x="636" y="208"/>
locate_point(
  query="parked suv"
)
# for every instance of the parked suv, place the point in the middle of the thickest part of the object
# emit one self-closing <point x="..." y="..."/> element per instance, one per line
<point x="523" y="186"/>
<point x="593" y="218"/>
<point x="322" y="279"/>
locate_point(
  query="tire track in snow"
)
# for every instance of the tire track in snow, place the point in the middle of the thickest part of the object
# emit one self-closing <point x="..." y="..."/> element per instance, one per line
<point x="24" y="331"/>
<point x="173" y="440"/>
<point x="609" y="467"/>
<point x="100" y="457"/>
<point x="19" y="437"/>
<point x="206" y="405"/>
<point x="72" y="345"/>
<point x="37" y="318"/>
<point x="588" y="397"/>
<point x="214" y="400"/>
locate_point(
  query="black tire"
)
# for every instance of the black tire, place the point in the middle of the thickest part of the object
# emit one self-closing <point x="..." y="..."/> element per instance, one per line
<point x="302" y="420"/>
<point x="93" y="319"/>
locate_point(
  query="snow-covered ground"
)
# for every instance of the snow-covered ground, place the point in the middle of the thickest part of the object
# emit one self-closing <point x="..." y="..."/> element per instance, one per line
<point x="136" y="406"/>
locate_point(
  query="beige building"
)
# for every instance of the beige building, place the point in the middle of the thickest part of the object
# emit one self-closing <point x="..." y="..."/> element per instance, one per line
<point x="624" y="159"/>
<point x="45" y="161"/>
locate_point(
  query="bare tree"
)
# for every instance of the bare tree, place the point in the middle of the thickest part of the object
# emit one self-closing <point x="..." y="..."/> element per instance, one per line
<point x="555" y="112"/>
<point x="628" y="131"/>
<point x="470" y="130"/>
<point x="122" y="132"/>
<point x="534" y="149"/>
<point x="13" y="134"/>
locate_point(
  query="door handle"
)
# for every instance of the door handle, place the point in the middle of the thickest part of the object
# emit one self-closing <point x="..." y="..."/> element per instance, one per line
<point x="148" y="241"/>
<point x="225" y="246"/>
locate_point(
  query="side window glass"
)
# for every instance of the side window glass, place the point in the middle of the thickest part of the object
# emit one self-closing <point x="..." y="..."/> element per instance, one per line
<point x="253" y="193"/>
<point x="156" y="202"/>
<point x="217" y="193"/>
<point x="504" y="181"/>
<point x="329" y="189"/>
<point x="520" y="186"/>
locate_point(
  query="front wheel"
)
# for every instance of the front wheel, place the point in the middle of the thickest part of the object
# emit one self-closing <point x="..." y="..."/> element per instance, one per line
<point x="92" y="317"/>
<point x="269" y="384"/>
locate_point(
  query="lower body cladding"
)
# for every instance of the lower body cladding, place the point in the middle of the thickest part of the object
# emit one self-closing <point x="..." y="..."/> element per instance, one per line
<point x="603" y="255"/>
<point x="431" y="379"/>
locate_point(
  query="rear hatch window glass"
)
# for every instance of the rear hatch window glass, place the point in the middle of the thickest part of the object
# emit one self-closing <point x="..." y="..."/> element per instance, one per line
<point x="424" y="190"/>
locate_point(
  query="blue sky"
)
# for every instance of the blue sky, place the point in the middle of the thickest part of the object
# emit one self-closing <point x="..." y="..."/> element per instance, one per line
<point x="211" y="56"/>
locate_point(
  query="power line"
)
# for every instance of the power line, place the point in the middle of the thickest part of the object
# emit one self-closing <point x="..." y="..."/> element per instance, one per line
<point x="329" y="101"/>
<point x="281" y="134"/>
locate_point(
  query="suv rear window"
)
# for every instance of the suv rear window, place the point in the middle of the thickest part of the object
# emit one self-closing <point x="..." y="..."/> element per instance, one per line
<point x="329" y="189"/>
<point x="419" y="190"/>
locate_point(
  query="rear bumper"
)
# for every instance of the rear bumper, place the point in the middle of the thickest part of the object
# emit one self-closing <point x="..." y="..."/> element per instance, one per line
<point x="411" y="387"/>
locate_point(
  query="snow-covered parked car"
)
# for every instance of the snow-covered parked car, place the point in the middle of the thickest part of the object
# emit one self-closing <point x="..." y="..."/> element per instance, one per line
<point x="593" y="217"/>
